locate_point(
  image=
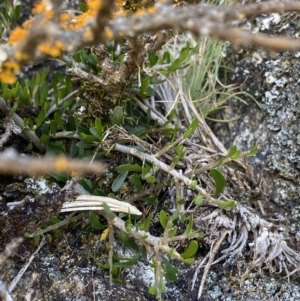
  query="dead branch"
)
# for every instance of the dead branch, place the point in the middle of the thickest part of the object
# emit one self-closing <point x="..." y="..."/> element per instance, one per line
<point x="161" y="165"/>
<point x="203" y="21"/>
<point x="25" y="267"/>
<point x="12" y="163"/>
<point x="8" y="251"/>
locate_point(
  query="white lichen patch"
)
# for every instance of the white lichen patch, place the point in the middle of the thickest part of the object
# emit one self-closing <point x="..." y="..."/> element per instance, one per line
<point x="267" y="22"/>
<point x="40" y="186"/>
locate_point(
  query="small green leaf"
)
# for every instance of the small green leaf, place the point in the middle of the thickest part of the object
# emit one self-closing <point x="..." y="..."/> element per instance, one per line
<point x="172" y="115"/>
<point x="219" y="179"/>
<point x="129" y="167"/>
<point x="166" y="58"/>
<point x="191" y="250"/>
<point x="181" y="201"/>
<point x="95" y="133"/>
<point x="188" y="260"/>
<point x="145" y="225"/>
<point x="36" y="239"/>
<point x="15" y="106"/>
<point x="40" y="117"/>
<point x="86" y="184"/>
<point x="44" y="138"/>
<point x="7" y="94"/>
<point x="152" y="290"/>
<point x="191" y="129"/>
<point x="151" y="179"/>
<point x="53" y="126"/>
<point x="88" y="138"/>
<point x="126" y="262"/>
<point x="144" y="253"/>
<point x="73" y="149"/>
<point x="179" y="149"/>
<point x="128" y="225"/>
<point x="83" y="145"/>
<point x="118" y="182"/>
<point x="83" y="7"/>
<point x="108" y="211"/>
<point x="57" y="118"/>
<point x="236" y="155"/>
<point x="189" y="225"/>
<point x="44" y="90"/>
<point x="173" y="232"/>
<point x="136" y="181"/>
<point x="194" y="184"/>
<point x="170" y="270"/>
<point x="232" y="151"/>
<point x="99" y="128"/>
<point x="229" y="204"/>
<point x="153" y="59"/>
<point x="199" y="200"/>
<point x="163" y="219"/>
<point x="117" y="116"/>
<point x="252" y="150"/>
<point x="144" y="85"/>
<point x="94" y="221"/>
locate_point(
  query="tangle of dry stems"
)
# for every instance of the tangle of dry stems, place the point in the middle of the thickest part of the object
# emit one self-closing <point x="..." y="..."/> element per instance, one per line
<point x="203" y="21"/>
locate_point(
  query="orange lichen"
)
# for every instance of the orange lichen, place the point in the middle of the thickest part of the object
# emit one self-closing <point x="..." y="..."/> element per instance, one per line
<point x="108" y="33"/>
<point x="94" y="5"/>
<point x="61" y="164"/>
<point x="7" y="78"/>
<point x="53" y="49"/>
<point x="20" y="56"/>
<point x="39" y="8"/>
<point x="88" y="35"/>
<point x="65" y="17"/>
<point x="74" y="173"/>
<point x="47" y="16"/>
<point x="151" y="10"/>
<point x="8" y="70"/>
<point x="76" y="22"/>
<point x="17" y="35"/>
<point x="27" y="24"/>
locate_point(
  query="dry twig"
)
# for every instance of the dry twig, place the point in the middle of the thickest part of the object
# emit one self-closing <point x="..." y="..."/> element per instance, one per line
<point x="8" y="251"/>
<point x="25" y="267"/>
<point x="12" y="163"/>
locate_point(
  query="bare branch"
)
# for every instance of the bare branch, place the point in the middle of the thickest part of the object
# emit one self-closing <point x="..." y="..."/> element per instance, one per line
<point x="12" y="163"/>
<point x="100" y="26"/>
<point x="25" y="267"/>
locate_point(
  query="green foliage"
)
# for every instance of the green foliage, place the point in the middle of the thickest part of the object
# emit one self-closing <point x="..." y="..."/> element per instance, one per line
<point x="9" y="15"/>
<point x="118" y="182"/>
<point x="230" y="204"/>
<point x="219" y="179"/>
<point x="191" y="250"/>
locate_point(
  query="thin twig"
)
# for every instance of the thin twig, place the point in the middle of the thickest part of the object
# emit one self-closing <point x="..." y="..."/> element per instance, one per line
<point x="24" y="268"/>
<point x="4" y="293"/>
<point x="212" y="255"/>
<point x="161" y="165"/>
<point x="12" y="163"/>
